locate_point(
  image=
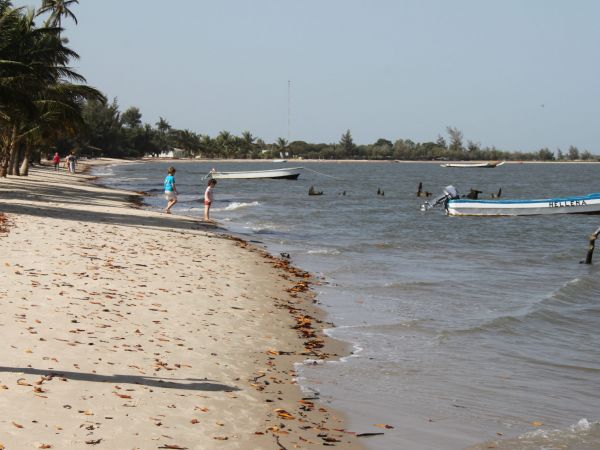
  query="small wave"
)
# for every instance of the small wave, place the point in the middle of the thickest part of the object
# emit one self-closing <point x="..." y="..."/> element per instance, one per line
<point x="233" y="206"/>
<point x="324" y="251"/>
<point x="583" y="435"/>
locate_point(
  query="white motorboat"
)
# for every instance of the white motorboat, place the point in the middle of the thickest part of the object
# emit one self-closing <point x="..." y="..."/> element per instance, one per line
<point x="456" y="206"/>
<point x="483" y="165"/>
<point x="289" y="173"/>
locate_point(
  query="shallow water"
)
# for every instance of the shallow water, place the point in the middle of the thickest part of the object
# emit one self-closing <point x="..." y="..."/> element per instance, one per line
<point x="463" y="328"/>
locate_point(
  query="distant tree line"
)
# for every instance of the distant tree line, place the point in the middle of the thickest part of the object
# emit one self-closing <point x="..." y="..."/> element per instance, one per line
<point x="117" y="134"/>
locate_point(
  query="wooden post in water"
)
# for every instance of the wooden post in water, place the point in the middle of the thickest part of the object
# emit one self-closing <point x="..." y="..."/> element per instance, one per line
<point x="590" y="252"/>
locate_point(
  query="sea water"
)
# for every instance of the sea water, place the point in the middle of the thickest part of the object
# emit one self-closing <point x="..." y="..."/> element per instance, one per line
<point x="465" y="330"/>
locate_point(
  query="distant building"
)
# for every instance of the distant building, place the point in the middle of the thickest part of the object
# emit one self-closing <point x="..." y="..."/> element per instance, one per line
<point x="174" y="153"/>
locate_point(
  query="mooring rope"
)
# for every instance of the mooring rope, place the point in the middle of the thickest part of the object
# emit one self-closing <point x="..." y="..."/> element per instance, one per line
<point x="324" y="174"/>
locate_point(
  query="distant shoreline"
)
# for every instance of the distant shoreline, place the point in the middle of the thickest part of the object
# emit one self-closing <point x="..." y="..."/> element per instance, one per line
<point x="357" y="161"/>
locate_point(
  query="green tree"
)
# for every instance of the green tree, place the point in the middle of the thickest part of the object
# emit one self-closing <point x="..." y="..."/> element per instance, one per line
<point x="281" y="144"/>
<point x="573" y="153"/>
<point x="132" y="117"/>
<point x="347" y="145"/>
<point x="456" y="139"/>
<point x="545" y="154"/>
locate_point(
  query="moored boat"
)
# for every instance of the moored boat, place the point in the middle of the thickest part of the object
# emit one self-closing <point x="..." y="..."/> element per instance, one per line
<point x="456" y="206"/>
<point x="290" y="173"/>
<point x="483" y="165"/>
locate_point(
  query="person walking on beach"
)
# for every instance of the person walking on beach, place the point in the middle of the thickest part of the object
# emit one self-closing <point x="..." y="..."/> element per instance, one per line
<point x="208" y="199"/>
<point x="56" y="161"/>
<point x="170" y="189"/>
<point x="70" y="162"/>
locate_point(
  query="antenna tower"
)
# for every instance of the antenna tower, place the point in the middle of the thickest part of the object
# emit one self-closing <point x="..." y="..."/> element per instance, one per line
<point x="289" y="133"/>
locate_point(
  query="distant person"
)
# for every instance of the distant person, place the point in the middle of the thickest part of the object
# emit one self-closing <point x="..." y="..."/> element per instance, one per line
<point x="208" y="199"/>
<point x="56" y="161"/>
<point x="70" y="162"/>
<point x="170" y="189"/>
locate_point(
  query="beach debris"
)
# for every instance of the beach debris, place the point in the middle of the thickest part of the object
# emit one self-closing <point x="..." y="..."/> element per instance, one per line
<point x="312" y="191"/>
<point x="368" y="434"/>
<point x="421" y="193"/>
<point x="591" y="245"/>
<point x="536" y="423"/>
<point x="383" y="425"/>
<point x="497" y="194"/>
<point x="283" y="414"/>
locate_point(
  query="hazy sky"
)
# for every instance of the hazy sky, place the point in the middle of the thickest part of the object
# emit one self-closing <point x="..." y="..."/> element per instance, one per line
<point x="517" y="74"/>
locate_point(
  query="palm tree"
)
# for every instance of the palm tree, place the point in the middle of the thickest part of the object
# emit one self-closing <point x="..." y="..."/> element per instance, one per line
<point x="225" y="141"/>
<point x="281" y="143"/>
<point x="36" y="89"/>
<point x="57" y="9"/>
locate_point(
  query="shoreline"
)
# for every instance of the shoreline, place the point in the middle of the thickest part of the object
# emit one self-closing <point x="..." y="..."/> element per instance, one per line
<point x="251" y="363"/>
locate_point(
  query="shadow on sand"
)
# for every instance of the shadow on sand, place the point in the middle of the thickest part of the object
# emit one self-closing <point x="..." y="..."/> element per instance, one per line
<point x="190" y="384"/>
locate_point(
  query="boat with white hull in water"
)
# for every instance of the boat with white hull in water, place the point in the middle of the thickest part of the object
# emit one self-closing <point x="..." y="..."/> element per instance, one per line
<point x="289" y="173"/>
<point x="456" y="206"/>
<point x="483" y="165"/>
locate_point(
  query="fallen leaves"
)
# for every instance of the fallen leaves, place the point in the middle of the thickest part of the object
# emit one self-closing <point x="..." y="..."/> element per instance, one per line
<point x="283" y="414"/>
<point x="383" y="425"/>
<point x="121" y="395"/>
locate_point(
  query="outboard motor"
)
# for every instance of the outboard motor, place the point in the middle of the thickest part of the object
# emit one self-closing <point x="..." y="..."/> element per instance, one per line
<point x="450" y="193"/>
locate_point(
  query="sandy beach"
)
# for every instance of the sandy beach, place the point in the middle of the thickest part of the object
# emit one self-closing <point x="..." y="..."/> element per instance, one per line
<point x="124" y="328"/>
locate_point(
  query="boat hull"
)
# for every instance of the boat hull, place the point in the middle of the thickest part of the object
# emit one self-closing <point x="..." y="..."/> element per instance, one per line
<point x="286" y="174"/>
<point x="486" y="165"/>
<point x="589" y="204"/>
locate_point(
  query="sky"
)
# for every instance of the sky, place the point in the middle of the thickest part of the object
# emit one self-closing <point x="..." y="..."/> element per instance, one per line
<point x="518" y="75"/>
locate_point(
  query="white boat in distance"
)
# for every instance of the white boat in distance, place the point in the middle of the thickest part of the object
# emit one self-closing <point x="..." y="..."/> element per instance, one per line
<point x="483" y="165"/>
<point x="289" y="173"/>
<point x="456" y="206"/>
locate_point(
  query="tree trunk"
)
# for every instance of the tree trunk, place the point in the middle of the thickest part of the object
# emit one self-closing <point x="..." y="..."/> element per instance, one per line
<point x="8" y="152"/>
<point x="14" y="169"/>
<point x="25" y="164"/>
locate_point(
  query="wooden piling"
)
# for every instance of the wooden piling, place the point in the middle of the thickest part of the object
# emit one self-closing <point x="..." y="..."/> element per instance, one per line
<point x="592" y="244"/>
